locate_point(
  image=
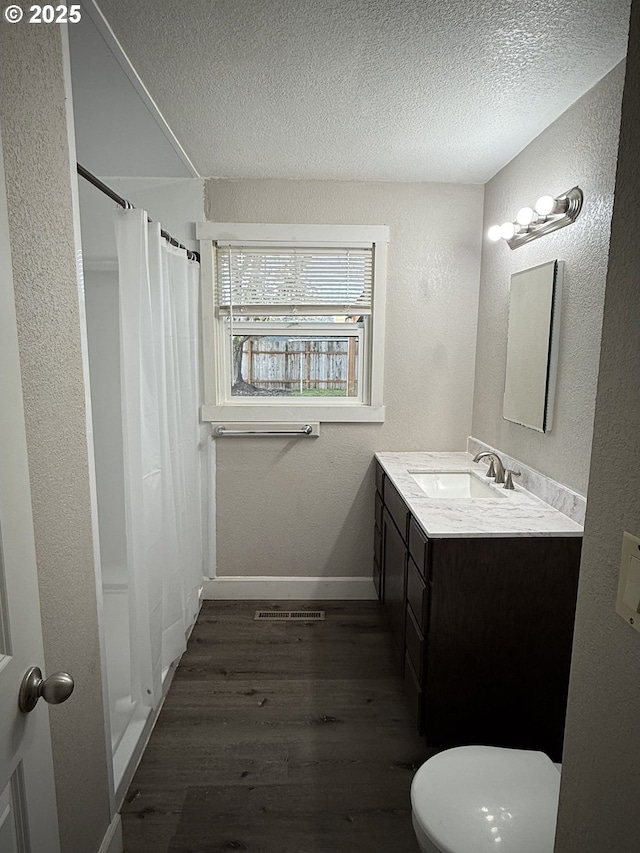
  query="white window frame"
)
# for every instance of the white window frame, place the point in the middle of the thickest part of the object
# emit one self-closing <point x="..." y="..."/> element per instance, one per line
<point x="217" y="407"/>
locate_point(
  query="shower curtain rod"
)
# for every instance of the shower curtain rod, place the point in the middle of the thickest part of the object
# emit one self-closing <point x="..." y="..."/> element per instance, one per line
<point x="84" y="173"/>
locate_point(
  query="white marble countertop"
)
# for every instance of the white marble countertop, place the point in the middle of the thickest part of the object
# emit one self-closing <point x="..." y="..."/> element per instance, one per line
<point x="510" y="513"/>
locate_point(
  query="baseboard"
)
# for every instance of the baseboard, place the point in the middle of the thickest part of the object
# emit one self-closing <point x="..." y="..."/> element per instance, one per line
<point x="299" y="589"/>
<point x="112" y="841"/>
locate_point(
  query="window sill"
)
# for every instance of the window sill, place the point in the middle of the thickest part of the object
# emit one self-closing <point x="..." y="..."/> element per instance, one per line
<point x="250" y="412"/>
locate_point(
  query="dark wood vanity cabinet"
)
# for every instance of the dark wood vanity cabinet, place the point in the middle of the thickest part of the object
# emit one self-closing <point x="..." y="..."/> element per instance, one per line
<point x="482" y="628"/>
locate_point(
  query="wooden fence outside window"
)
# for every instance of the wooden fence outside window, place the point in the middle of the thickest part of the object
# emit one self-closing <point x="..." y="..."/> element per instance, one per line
<point x="305" y="365"/>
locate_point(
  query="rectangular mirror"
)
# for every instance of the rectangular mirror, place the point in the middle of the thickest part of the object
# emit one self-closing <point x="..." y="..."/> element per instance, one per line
<point x="532" y="345"/>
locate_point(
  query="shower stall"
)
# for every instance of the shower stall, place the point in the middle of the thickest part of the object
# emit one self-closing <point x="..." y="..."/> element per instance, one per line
<point x="142" y="322"/>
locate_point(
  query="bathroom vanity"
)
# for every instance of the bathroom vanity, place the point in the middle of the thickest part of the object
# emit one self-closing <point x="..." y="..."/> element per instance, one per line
<point x="480" y="593"/>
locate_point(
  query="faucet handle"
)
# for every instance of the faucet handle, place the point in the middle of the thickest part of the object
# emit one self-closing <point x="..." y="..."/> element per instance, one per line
<point x="509" y="474"/>
<point x="491" y="472"/>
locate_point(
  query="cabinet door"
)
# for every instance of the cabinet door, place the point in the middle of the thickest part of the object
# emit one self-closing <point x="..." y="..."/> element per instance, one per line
<point x="499" y="641"/>
<point x="395" y="570"/>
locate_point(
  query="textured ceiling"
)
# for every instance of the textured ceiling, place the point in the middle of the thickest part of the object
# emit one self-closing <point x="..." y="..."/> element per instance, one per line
<point x="407" y="90"/>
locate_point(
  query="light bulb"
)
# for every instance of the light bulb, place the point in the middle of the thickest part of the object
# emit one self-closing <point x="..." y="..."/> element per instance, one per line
<point x="526" y="216"/>
<point x="507" y="230"/>
<point x="494" y="233"/>
<point x="545" y="205"/>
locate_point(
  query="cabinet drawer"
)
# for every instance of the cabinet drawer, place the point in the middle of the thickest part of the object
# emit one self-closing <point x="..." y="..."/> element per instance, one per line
<point x="379" y="480"/>
<point x="396" y="507"/>
<point x="378" y="511"/>
<point x="413" y="690"/>
<point x="414" y="642"/>
<point x="419" y="547"/>
<point x="417" y="595"/>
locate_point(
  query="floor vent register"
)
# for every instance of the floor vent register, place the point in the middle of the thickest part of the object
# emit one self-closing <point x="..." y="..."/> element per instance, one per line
<point x="279" y="615"/>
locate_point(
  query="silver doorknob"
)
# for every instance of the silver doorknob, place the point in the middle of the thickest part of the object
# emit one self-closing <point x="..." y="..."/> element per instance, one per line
<point x="54" y="690"/>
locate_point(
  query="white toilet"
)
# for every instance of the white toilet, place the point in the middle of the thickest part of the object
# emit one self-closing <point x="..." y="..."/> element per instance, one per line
<point x="476" y="799"/>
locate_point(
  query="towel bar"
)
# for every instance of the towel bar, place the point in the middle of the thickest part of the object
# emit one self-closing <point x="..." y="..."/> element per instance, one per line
<point x="221" y="430"/>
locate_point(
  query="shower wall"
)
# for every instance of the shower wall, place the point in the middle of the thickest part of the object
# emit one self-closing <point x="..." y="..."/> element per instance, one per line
<point x="101" y="297"/>
<point x="126" y="717"/>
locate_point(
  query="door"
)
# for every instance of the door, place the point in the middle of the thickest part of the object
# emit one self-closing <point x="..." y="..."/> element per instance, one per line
<point x="28" y="818"/>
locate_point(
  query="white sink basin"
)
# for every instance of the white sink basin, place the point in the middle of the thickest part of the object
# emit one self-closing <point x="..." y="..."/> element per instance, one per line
<point x="454" y="484"/>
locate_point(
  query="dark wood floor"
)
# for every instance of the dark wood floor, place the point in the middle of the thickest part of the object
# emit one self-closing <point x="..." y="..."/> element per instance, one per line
<point x="279" y="737"/>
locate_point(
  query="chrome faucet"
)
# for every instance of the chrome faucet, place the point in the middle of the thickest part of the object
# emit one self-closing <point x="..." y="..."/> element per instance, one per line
<point x="496" y="468"/>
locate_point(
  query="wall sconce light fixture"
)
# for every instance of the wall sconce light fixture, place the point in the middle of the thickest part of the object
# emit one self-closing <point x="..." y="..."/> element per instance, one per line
<point x="548" y="215"/>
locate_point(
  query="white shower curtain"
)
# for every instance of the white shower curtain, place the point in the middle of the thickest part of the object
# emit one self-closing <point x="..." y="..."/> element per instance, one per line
<point x="158" y="292"/>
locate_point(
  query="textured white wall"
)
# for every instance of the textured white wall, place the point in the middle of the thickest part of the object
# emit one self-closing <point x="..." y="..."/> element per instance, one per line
<point x="600" y="788"/>
<point x="38" y="178"/>
<point x="305" y="508"/>
<point x="579" y="148"/>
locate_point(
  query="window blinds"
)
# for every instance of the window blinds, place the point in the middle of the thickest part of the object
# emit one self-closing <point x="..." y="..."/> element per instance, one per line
<point x="263" y="280"/>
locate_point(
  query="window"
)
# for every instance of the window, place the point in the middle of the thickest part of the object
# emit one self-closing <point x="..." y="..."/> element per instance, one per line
<point x="293" y="321"/>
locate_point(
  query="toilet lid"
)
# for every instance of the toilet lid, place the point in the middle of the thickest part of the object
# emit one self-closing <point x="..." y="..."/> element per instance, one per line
<point x="476" y="799"/>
